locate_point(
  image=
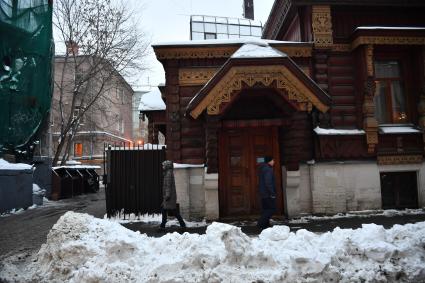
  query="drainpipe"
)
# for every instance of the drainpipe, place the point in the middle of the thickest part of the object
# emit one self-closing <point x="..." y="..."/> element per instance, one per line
<point x="311" y="181"/>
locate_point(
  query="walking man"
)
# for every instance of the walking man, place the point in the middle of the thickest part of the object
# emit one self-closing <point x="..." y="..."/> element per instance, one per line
<point x="267" y="190"/>
<point x="169" y="203"/>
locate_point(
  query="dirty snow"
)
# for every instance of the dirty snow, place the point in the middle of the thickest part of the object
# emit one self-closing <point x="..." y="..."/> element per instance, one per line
<point x="4" y="165"/>
<point x="361" y="213"/>
<point x="81" y="248"/>
<point x="153" y="219"/>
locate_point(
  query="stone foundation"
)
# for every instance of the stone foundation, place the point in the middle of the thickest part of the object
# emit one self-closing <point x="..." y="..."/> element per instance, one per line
<point x="317" y="188"/>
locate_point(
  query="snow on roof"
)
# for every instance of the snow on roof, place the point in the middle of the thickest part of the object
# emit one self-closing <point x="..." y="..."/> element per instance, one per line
<point x="389" y="28"/>
<point x="137" y="146"/>
<point x="225" y="41"/>
<point x="398" y="130"/>
<point x="257" y="50"/>
<point x="321" y="131"/>
<point x="96" y="249"/>
<point x="152" y="101"/>
<point x="78" y="167"/>
<point x="4" y="165"/>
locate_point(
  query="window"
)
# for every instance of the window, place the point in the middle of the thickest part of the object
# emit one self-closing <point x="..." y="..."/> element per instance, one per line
<point x="120" y="124"/>
<point x="390" y="98"/>
<point x="233" y="29"/>
<point x="221" y="28"/>
<point x="197" y="35"/>
<point x="210" y="35"/>
<point x="199" y="27"/>
<point x="75" y="114"/>
<point x="78" y="149"/>
<point x="245" y="30"/>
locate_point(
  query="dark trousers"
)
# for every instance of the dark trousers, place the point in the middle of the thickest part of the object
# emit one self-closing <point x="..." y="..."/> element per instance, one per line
<point x="176" y="213"/>
<point x="268" y="207"/>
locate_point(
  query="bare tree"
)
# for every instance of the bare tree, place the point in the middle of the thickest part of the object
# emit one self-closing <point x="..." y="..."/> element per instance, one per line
<point x="103" y="39"/>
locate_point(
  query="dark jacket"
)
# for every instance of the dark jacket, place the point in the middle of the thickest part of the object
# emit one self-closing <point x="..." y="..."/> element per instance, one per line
<point x="169" y="186"/>
<point x="266" y="181"/>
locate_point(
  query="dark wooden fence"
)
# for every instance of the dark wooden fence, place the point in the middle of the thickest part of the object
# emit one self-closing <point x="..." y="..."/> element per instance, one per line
<point x="133" y="179"/>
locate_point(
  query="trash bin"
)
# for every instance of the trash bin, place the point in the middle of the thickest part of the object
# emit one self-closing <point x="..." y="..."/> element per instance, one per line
<point x="91" y="180"/>
<point x="77" y="181"/>
<point x="61" y="183"/>
<point x="15" y="189"/>
<point x="69" y="181"/>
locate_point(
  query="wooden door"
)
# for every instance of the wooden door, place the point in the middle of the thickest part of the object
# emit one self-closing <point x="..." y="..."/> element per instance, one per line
<point x="240" y="152"/>
<point x="399" y="190"/>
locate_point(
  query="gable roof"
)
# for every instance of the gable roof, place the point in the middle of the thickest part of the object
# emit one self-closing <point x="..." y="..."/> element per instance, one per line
<point x="283" y="10"/>
<point x="257" y="63"/>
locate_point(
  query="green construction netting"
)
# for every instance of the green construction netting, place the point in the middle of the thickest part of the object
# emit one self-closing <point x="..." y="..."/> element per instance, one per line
<point x="26" y="53"/>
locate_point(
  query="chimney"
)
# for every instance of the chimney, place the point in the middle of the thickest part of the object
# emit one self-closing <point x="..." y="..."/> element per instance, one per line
<point x="71" y="47"/>
<point x="248" y="9"/>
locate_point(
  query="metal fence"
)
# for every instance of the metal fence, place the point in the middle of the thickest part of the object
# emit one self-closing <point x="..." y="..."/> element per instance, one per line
<point x="133" y="179"/>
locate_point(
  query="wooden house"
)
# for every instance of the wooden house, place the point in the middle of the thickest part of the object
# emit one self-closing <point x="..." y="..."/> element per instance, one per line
<point x="335" y="91"/>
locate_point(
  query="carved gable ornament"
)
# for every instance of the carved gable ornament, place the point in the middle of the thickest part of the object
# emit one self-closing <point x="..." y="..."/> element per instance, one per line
<point x="322" y="26"/>
<point x="277" y="76"/>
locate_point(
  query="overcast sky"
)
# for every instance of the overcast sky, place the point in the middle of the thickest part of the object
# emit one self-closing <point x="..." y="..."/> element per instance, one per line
<point x="168" y="20"/>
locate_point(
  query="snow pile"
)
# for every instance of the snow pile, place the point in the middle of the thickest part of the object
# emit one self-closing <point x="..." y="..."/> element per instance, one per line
<point x="81" y="248"/>
<point x="4" y="165"/>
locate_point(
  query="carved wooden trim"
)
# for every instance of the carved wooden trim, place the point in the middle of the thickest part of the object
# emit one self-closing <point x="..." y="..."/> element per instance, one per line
<point x="222" y="52"/>
<point x="254" y="123"/>
<point x="322" y="26"/>
<point x="370" y="124"/>
<point x="279" y="18"/>
<point x="341" y="47"/>
<point x="295" y="51"/>
<point x="193" y="52"/>
<point x="223" y="91"/>
<point x="379" y="40"/>
<point x="195" y="76"/>
<point x="306" y="70"/>
<point x="369" y="60"/>
<point x="387" y="40"/>
<point x="399" y="159"/>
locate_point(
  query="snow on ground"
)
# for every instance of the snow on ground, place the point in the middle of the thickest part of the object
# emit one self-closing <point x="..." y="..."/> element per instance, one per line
<point x="362" y="213"/>
<point x="81" y="248"/>
<point x="153" y="219"/>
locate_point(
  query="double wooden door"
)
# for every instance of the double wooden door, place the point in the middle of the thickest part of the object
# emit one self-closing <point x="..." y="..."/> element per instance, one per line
<point x="241" y="150"/>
